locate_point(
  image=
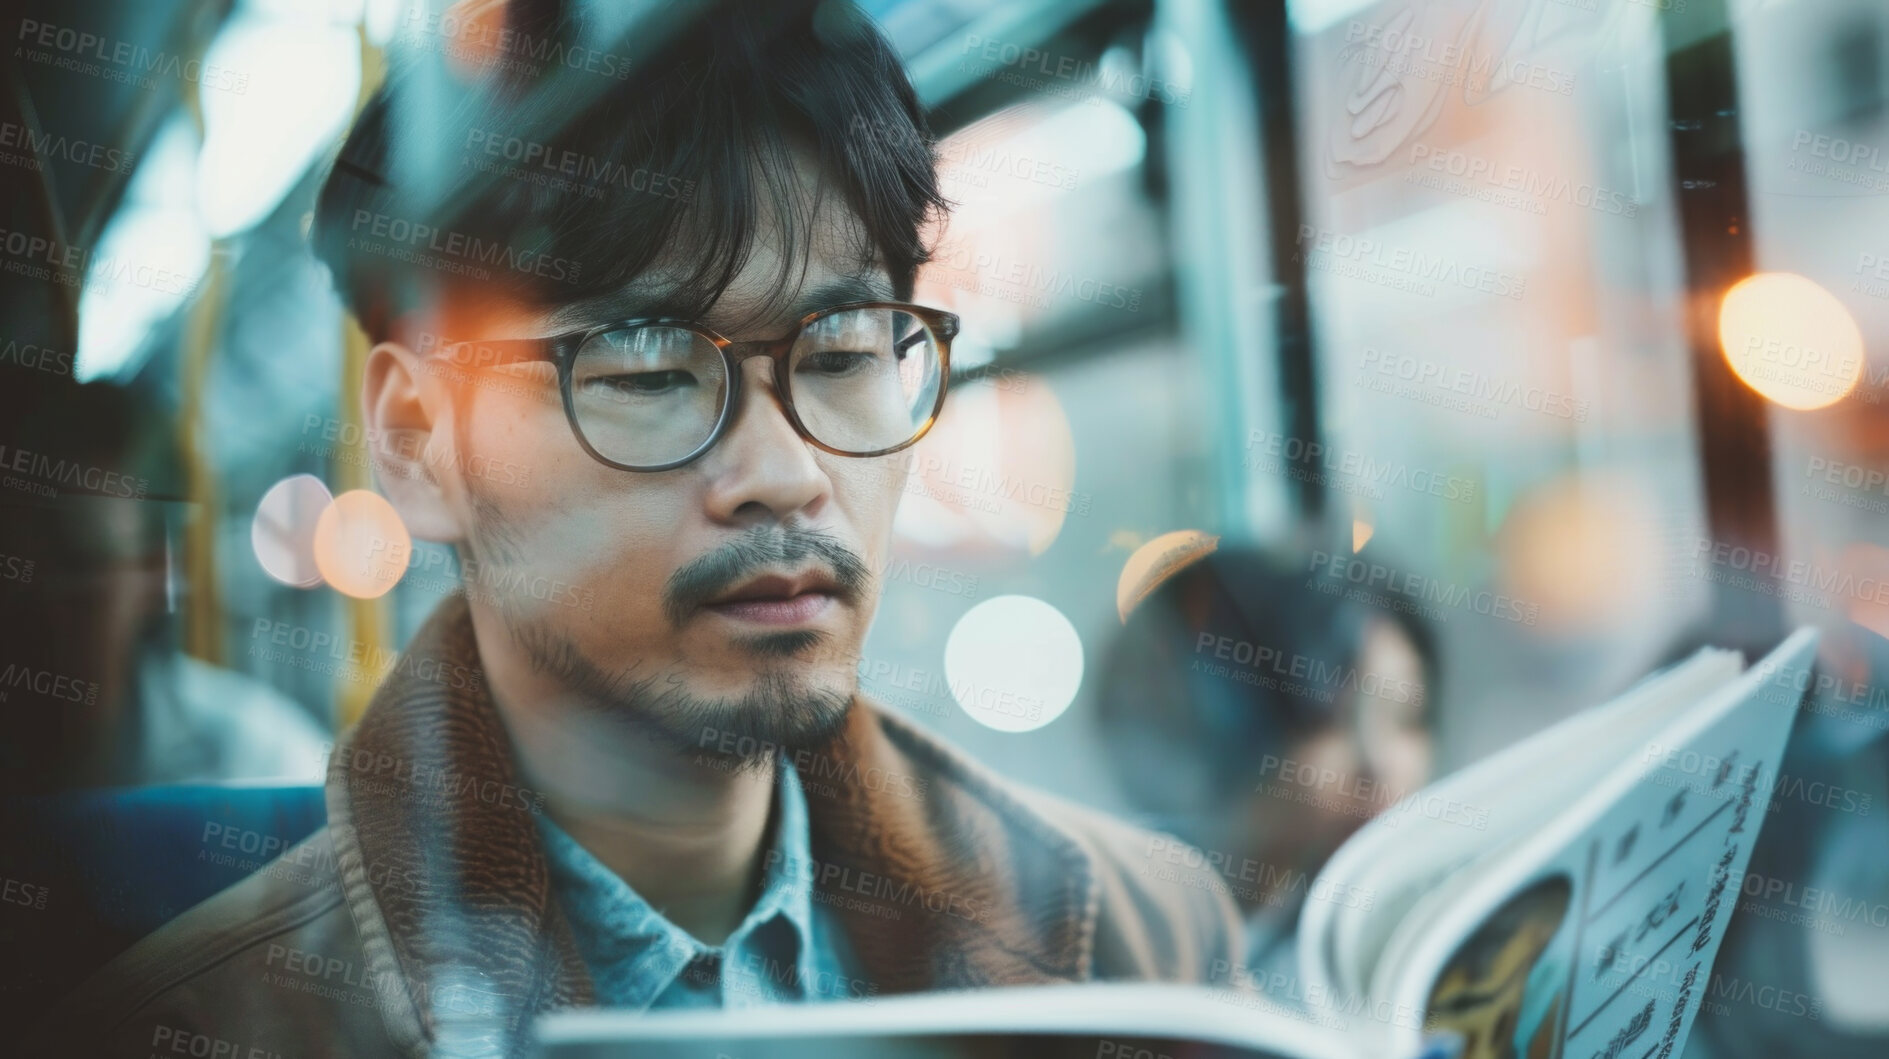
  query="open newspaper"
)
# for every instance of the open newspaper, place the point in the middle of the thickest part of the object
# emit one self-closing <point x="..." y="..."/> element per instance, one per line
<point x="1580" y="919"/>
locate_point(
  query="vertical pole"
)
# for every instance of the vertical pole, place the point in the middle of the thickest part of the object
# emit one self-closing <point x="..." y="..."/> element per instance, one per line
<point x="1715" y="233"/>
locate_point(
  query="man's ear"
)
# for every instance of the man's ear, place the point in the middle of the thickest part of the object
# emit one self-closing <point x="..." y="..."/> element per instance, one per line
<point x="402" y="413"/>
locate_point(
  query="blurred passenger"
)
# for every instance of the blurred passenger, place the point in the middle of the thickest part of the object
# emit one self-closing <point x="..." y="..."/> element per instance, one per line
<point x="95" y="677"/>
<point x="630" y="765"/>
<point x="1264" y="721"/>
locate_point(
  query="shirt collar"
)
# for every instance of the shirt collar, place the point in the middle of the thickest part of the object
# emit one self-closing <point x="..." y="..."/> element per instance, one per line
<point x="635" y="954"/>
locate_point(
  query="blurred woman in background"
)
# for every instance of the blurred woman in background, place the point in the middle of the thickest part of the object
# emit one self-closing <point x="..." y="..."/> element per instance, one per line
<point x="1265" y="720"/>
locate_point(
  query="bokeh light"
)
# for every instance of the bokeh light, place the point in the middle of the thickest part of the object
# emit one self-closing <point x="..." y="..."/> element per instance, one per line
<point x="998" y="470"/>
<point x="361" y="545"/>
<point x="1790" y="340"/>
<point x="1156" y="561"/>
<point x="283" y="530"/>
<point x="1014" y="663"/>
<point x="1577" y="546"/>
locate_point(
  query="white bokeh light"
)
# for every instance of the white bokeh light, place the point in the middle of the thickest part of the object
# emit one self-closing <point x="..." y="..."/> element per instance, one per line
<point x="283" y="530"/>
<point x="149" y="261"/>
<point x="1014" y="663"/>
<point x="300" y="76"/>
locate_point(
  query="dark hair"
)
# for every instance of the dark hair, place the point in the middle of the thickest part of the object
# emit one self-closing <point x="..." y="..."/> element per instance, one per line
<point x="608" y="160"/>
<point x="1161" y="686"/>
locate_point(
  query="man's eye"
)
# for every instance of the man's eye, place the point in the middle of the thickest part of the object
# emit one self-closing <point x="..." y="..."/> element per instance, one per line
<point x="836" y="363"/>
<point x="644" y="383"/>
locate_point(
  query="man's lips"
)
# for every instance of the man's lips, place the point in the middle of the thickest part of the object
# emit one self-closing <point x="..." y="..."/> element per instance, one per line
<point x="777" y="600"/>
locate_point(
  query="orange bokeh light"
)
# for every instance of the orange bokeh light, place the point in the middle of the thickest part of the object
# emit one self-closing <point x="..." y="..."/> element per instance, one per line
<point x="1571" y="544"/>
<point x="361" y="545"/>
<point x="1790" y="340"/>
<point x="1361" y="534"/>
<point x="1156" y="561"/>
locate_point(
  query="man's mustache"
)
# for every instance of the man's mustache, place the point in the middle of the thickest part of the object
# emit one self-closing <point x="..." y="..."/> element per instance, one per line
<point x="762" y="548"/>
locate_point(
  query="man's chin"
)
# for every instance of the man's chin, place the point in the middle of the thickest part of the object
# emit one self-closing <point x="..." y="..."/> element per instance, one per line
<point x="787" y="705"/>
<point x="753" y="730"/>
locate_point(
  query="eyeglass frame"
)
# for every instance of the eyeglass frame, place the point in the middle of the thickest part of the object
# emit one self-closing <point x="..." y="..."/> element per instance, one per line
<point x="563" y="349"/>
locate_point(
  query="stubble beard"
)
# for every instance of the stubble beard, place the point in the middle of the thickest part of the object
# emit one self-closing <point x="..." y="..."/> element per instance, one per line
<point x="781" y="712"/>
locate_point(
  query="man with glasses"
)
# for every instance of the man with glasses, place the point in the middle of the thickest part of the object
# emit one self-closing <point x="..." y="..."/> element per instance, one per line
<point x="630" y="765"/>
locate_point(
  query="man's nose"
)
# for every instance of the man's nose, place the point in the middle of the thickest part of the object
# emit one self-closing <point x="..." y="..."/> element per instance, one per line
<point x="762" y="468"/>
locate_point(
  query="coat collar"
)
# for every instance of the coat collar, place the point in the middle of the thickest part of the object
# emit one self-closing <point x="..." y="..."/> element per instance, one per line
<point x="940" y="875"/>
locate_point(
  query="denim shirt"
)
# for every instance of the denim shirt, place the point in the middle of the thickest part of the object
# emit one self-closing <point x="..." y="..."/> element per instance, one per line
<point x="789" y="948"/>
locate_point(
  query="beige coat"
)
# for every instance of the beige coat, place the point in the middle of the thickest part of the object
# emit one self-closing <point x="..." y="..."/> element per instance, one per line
<point x="421" y="920"/>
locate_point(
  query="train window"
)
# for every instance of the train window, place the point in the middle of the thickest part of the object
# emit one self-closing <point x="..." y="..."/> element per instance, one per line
<point x="1491" y="251"/>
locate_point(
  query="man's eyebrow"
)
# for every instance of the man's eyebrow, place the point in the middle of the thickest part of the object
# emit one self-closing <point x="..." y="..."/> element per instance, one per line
<point x="621" y="304"/>
<point x="629" y="304"/>
<point x="842" y="291"/>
